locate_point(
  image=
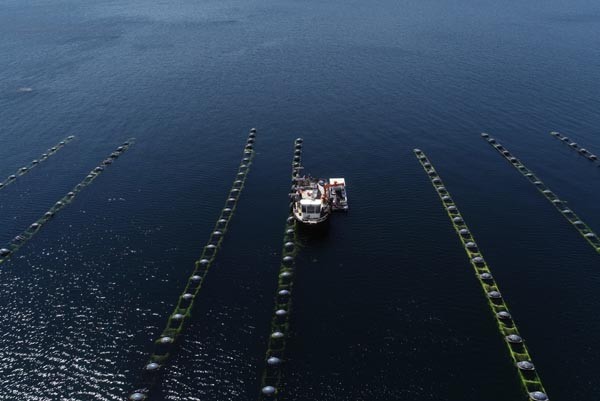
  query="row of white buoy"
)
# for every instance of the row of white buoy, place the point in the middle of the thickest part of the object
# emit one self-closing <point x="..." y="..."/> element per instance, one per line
<point x="25" y="169"/>
<point x="575" y="146"/>
<point x="163" y="345"/>
<point x="585" y="231"/>
<point x="26" y="235"/>
<point x="508" y="329"/>
<point x="271" y="377"/>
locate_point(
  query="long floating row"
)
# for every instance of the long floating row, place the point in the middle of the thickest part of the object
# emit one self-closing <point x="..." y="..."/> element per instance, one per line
<point x="561" y="205"/>
<point x="573" y="145"/>
<point x="165" y="343"/>
<point x="26" y="235"/>
<point x="25" y="169"/>
<point x="515" y="343"/>
<point x="271" y="378"/>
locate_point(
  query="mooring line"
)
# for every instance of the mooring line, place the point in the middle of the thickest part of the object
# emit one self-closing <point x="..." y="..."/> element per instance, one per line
<point x="560" y="205"/>
<point x="515" y="343"/>
<point x="25" y="236"/>
<point x="575" y="146"/>
<point x="24" y="170"/>
<point x="165" y="343"/>
<point x="271" y="377"/>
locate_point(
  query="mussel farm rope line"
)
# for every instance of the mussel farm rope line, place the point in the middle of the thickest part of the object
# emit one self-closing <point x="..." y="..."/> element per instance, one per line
<point x="573" y="145"/>
<point x="24" y="170"/>
<point x="165" y="343"/>
<point x="26" y="235"/>
<point x="516" y="346"/>
<point x="583" y="229"/>
<point x="271" y="378"/>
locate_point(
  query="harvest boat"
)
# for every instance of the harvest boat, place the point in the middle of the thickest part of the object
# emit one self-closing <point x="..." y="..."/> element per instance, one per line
<point x="314" y="200"/>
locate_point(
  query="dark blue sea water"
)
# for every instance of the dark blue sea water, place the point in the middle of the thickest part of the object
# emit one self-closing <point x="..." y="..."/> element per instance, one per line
<point x="386" y="306"/>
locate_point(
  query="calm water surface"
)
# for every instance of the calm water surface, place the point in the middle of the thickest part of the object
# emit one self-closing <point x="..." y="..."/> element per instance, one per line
<point x="386" y="305"/>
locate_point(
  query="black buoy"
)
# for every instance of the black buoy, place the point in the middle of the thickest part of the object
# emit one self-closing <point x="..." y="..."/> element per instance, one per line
<point x="504" y="315"/>
<point x="478" y="260"/>
<point x="277" y="334"/>
<point x="281" y="312"/>
<point x="284" y="292"/>
<point x="494" y="294"/>
<point x="4" y="252"/>
<point x="137" y="397"/>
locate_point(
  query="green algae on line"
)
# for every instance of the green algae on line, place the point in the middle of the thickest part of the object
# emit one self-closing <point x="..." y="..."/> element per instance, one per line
<point x="516" y="346"/>
<point x="271" y="377"/>
<point x="561" y="205"/>
<point x="26" y="169"/>
<point x="26" y="235"/>
<point x="165" y="343"/>
<point x="573" y="145"/>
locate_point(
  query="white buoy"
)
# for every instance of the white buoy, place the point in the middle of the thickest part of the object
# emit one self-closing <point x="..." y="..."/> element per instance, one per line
<point x="273" y="361"/>
<point x="268" y="390"/>
<point x="514" y="339"/>
<point x="525" y="365"/>
<point x="538" y="396"/>
<point x="152" y="366"/>
<point x="165" y="340"/>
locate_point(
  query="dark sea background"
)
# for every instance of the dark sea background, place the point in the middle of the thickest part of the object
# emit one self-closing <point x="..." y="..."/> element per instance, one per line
<point x="386" y="305"/>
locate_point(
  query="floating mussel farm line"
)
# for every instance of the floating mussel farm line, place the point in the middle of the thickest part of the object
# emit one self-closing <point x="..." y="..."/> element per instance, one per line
<point x="25" y="169"/>
<point x="515" y="343"/>
<point x="575" y="146"/>
<point x="271" y="377"/>
<point x="25" y="236"/>
<point x="560" y="205"/>
<point x="165" y="344"/>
